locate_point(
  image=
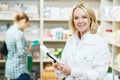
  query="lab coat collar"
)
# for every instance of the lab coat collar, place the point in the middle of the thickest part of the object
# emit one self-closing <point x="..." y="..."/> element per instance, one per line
<point x="84" y="36"/>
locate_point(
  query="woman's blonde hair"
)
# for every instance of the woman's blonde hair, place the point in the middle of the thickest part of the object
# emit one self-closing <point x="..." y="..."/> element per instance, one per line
<point x="90" y="14"/>
<point x="21" y="16"/>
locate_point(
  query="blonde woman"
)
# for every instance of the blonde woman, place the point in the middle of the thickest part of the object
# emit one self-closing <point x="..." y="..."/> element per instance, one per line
<point x="17" y="46"/>
<point x="86" y="55"/>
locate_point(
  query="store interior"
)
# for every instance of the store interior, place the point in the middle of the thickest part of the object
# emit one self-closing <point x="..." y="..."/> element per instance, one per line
<point x="49" y="25"/>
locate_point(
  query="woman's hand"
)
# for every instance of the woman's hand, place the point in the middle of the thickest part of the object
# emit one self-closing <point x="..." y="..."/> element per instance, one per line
<point x="29" y="48"/>
<point x="64" y="68"/>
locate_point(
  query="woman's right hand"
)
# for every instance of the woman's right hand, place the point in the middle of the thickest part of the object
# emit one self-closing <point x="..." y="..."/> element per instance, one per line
<point x="58" y="66"/>
<point x="64" y="68"/>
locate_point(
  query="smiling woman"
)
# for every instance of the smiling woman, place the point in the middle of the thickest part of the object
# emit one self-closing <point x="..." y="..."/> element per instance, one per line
<point x="81" y="21"/>
<point x="88" y="53"/>
<point x="83" y="15"/>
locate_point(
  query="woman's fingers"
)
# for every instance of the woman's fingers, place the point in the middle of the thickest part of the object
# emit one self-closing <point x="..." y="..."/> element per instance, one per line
<point x="66" y="70"/>
<point x="58" y="65"/>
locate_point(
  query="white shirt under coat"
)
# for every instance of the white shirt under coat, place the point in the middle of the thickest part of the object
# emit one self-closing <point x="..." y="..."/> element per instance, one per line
<point x="88" y="57"/>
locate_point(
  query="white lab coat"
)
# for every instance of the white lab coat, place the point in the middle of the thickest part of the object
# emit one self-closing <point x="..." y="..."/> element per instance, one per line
<point x="88" y="57"/>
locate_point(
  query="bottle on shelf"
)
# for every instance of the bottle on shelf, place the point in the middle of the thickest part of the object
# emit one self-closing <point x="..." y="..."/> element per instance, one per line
<point x="30" y="63"/>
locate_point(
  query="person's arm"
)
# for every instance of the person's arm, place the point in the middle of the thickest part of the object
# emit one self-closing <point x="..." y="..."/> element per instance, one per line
<point x="58" y="66"/>
<point x="99" y="68"/>
<point x="28" y="45"/>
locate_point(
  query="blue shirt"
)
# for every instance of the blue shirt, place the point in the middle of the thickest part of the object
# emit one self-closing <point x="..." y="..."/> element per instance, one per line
<point x="16" y="63"/>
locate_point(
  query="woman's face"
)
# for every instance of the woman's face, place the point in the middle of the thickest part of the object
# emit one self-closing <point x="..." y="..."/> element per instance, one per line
<point x="81" y="21"/>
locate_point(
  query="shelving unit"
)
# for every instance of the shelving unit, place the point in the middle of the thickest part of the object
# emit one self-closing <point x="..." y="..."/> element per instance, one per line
<point x="110" y="26"/>
<point x="44" y="21"/>
<point x="7" y="7"/>
<point x="2" y="61"/>
<point x="54" y="14"/>
<point x="54" y="18"/>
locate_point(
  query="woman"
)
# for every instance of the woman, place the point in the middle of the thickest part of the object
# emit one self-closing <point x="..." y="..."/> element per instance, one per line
<point x="17" y="46"/>
<point x="86" y="55"/>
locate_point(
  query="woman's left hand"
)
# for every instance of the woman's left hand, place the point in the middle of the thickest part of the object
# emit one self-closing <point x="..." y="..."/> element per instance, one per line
<point x="29" y="48"/>
<point x="66" y="69"/>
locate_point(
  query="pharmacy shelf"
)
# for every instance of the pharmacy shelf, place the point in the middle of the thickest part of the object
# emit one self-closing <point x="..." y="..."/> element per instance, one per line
<point x="107" y="20"/>
<point x="32" y="39"/>
<point x="110" y="66"/>
<point x="35" y="61"/>
<point x="50" y="23"/>
<point x="56" y="20"/>
<point x="117" y="45"/>
<point x="2" y="61"/>
<point x="98" y="19"/>
<point x="27" y="38"/>
<point x="1" y="38"/>
<point x="116" y="69"/>
<point x="111" y="21"/>
<point x="47" y="60"/>
<point x="61" y="20"/>
<point x="55" y="40"/>
<point x="114" y="44"/>
<point x="9" y="19"/>
<point x="34" y="10"/>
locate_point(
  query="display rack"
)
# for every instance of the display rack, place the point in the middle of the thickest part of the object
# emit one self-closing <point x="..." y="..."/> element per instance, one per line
<point x="54" y="14"/>
<point x="110" y="27"/>
<point x="7" y="9"/>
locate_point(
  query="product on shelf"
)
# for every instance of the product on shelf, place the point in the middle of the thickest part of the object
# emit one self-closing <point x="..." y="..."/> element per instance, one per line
<point x="116" y="77"/>
<point x="60" y="12"/>
<point x="97" y="13"/>
<point x="34" y="75"/>
<point x="1" y="56"/>
<point x="107" y="13"/>
<point x="117" y="61"/>
<point x="0" y="6"/>
<point x="48" y="73"/>
<point x="117" y="37"/>
<point x="32" y="31"/>
<point x="108" y="35"/>
<point x="57" y="52"/>
<point x="32" y="14"/>
<point x="56" y="34"/>
<point x="36" y="55"/>
<point x="30" y="61"/>
<point x="109" y="76"/>
<point x="116" y="13"/>
<point x="35" y="43"/>
<point x="3" y="28"/>
<point x="10" y="7"/>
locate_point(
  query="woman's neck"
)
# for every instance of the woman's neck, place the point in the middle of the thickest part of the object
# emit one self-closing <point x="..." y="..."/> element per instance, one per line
<point x="17" y="25"/>
<point x="80" y="35"/>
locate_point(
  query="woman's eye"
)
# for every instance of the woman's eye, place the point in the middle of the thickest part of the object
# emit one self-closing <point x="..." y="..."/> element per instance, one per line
<point x="75" y="17"/>
<point x="84" y="17"/>
<point x="81" y="17"/>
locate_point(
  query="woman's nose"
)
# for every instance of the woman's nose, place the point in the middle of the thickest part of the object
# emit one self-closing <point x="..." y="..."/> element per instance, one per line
<point x="80" y="20"/>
